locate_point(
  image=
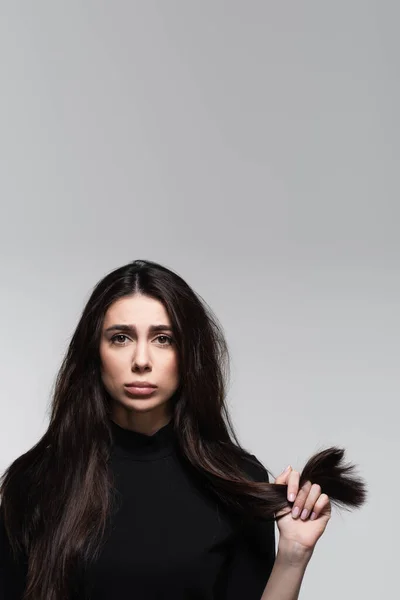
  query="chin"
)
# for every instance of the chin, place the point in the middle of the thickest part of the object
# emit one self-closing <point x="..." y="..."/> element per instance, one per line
<point x="142" y="405"/>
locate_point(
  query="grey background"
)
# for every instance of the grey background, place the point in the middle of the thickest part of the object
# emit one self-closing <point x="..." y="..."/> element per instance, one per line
<point x="253" y="147"/>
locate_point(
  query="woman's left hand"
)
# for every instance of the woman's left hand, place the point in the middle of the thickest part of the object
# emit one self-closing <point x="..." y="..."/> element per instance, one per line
<point x="302" y="528"/>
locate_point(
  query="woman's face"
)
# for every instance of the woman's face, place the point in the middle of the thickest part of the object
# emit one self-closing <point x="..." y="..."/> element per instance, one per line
<point x="137" y="345"/>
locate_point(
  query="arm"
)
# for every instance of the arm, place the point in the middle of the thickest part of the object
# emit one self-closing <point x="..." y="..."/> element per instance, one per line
<point x="251" y="557"/>
<point x="286" y="576"/>
<point x="298" y="536"/>
<point x="253" y="571"/>
<point x="249" y="563"/>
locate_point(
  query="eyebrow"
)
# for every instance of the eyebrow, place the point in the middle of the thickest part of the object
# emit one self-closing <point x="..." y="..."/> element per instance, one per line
<point x="132" y="328"/>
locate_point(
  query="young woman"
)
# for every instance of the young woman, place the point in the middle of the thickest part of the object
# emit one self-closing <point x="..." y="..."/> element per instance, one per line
<point x="139" y="488"/>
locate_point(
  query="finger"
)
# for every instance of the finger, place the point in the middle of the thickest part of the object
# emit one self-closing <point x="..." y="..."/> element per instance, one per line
<point x="283" y="477"/>
<point x="301" y="499"/>
<point x="313" y="495"/>
<point x="322" y="504"/>
<point x="293" y="485"/>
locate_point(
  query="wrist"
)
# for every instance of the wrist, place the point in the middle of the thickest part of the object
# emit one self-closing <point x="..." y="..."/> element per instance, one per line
<point x="293" y="554"/>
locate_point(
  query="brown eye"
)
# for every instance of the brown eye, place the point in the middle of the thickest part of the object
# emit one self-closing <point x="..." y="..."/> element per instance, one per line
<point x="116" y="337"/>
<point x="165" y="337"/>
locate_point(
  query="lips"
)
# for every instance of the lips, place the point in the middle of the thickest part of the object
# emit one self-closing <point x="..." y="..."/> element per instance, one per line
<point x="140" y="389"/>
<point x="140" y="384"/>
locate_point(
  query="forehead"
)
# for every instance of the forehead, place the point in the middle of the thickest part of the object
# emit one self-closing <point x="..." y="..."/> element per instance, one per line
<point x="136" y="310"/>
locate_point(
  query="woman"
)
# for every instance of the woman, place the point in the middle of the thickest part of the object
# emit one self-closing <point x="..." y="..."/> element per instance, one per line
<point x="137" y="489"/>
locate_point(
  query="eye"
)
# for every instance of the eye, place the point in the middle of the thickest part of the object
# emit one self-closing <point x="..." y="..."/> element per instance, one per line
<point x="119" y="339"/>
<point x="115" y="337"/>
<point x="165" y="337"/>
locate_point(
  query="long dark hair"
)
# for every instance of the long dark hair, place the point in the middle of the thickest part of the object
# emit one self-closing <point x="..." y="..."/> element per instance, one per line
<point x="57" y="497"/>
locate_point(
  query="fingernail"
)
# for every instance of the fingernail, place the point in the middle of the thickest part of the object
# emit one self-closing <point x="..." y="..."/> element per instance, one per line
<point x="287" y="468"/>
<point x="304" y="514"/>
<point x="313" y="516"/>
<point x="295" y="512"/>
<point x="291" y="497"/>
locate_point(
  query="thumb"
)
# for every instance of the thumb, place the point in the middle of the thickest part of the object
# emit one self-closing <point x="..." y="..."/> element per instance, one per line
<point x="283" y="477"/>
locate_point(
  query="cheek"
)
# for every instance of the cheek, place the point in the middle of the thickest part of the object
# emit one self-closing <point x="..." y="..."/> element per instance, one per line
<point x="171" y="366"/>
<point x="111" y="364"/>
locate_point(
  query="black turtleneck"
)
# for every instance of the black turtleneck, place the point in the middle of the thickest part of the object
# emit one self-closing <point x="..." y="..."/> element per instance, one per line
<point x="169" y="538"/>
<point x="140" y="446"/>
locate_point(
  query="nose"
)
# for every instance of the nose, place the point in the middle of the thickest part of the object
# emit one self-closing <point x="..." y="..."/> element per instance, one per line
<point x="141" y="358"/>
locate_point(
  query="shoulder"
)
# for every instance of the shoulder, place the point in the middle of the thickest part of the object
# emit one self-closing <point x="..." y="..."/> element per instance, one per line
<point x="257" y="532"/>
<point x="253" y="467"/>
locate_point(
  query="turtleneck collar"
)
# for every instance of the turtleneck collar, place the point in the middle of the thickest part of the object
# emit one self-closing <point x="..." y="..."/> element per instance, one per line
<point x="140" y="446"/>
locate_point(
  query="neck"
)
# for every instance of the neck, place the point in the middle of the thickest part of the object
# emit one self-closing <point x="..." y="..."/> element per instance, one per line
<point x="143" y="446"/>
<point x="147" y="423"/>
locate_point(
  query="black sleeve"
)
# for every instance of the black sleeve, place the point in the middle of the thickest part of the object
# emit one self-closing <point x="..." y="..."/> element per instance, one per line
<point x="12" y="573"/>
<point x="251" y="559"/>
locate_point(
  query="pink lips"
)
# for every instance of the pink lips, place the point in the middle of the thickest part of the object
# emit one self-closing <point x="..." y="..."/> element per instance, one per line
<point x="140" y="388"/>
